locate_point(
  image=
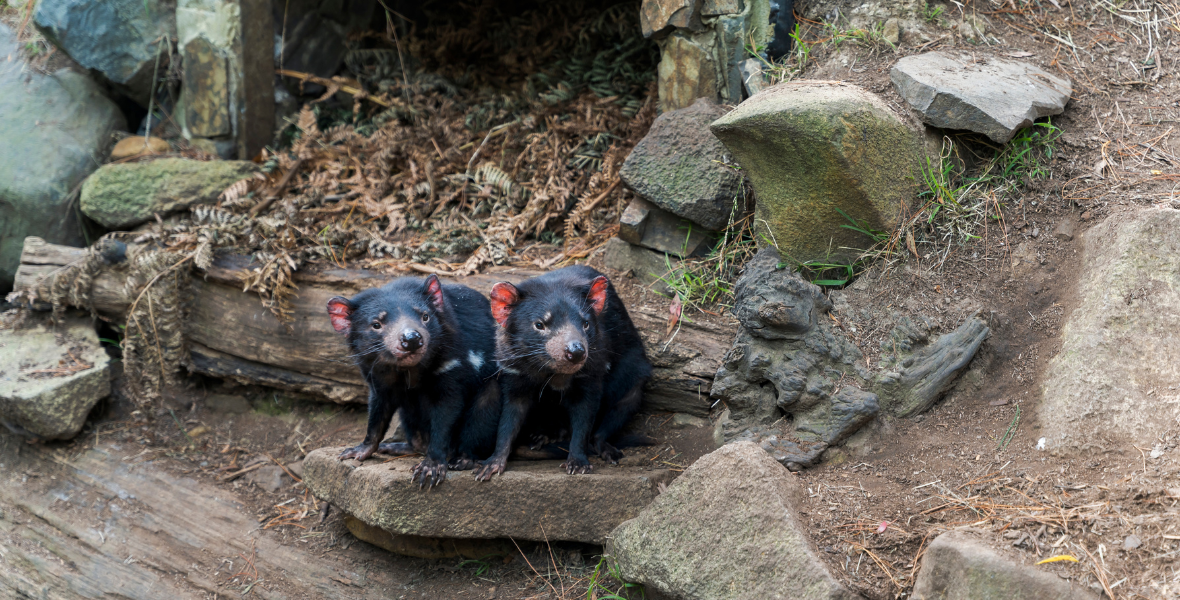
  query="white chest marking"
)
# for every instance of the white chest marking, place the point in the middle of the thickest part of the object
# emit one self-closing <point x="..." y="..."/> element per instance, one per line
<point x="475" y="358"/>
<point x="447" y="366"/>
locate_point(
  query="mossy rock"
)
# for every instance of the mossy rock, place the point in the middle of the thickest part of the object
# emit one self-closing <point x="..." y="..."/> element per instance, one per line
<point x="120" y="196"/>
<point x="815" y="149"/>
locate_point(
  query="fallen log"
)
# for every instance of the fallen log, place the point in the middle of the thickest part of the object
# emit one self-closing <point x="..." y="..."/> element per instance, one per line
<point x="231" y="335"/>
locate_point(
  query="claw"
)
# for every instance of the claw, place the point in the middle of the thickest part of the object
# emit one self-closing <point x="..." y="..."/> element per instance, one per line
<point x="428" y="474"/>
<point x="577" y="466"/>
<point x="489" y="468"/>
<point x="360" y="452"/>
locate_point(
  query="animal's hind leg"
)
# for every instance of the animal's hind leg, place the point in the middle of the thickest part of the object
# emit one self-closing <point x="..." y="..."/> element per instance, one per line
<point x="615" y="419"/>
<point x="477" y="439"/>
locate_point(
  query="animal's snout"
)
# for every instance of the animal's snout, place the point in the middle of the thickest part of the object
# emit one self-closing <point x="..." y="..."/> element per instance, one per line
<point x="411" y="340"/>
<point x="575" y="351"/>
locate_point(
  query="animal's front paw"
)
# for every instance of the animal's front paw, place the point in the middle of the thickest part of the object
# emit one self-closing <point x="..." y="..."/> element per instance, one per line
<point x="428" y="473"/>
<point x="490" y="467"/>
<point x="360" y="452"/>
<point x="577" y="465"/>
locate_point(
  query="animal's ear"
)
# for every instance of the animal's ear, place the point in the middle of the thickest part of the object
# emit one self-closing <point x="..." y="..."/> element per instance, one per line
<point x="339" y="310"/>
<point x="504" y="297"/>
<point x="434" y="292"/>
<point x="597" y="295"/>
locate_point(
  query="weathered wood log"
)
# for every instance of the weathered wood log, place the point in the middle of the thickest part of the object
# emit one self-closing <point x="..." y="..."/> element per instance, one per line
<point x="39" y="260"/>
<point x="231" y="335"/>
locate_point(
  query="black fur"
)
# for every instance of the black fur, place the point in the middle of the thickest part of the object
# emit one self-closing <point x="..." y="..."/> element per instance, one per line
<point x="593" y="402"/>
<point x="448" y="402"/>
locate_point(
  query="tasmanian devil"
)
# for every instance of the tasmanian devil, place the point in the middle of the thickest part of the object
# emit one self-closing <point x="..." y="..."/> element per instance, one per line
<point x="565" y="341"/>
<point x="426" y="350"/>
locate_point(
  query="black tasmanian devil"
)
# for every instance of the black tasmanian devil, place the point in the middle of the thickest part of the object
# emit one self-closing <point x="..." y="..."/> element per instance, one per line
<point x="565" y="337"/>
<point x="426" y="350"/>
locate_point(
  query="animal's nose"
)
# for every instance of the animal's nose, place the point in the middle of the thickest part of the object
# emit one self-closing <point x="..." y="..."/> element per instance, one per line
<point x="411" y="340"/>
<point x="575" y="352"/>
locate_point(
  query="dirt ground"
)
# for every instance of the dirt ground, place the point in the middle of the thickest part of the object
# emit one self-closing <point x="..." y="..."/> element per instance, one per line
<point x="872" y="506"/>
<point x="875" y="504"/>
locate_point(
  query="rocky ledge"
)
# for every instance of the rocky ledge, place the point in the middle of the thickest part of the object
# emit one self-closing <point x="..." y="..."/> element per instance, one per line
<point x="533" y="500"/>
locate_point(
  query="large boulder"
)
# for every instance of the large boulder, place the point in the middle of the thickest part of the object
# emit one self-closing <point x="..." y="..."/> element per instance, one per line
<point x="959" y="565"/>
<point x="677" y="166"/>
<point x="124" y="195"/>
<point x="533" y="500"/>
<point x="818" y="155"/>
<point x="56" y="130"/>
<point x="1113" y="383"/>
<point x="993" y="96"/>
<point x="51" y="376"/>
<point x="118" y="39"/>
<point x="725" y="529"/>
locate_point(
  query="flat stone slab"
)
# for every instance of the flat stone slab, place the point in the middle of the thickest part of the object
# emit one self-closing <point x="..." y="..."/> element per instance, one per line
<point x="51" y="376"/>
<point x="961" y="566"/>
<point x="533" y="500"/>
<point x="993" y="96"/>
<point x="1113" y="383"/>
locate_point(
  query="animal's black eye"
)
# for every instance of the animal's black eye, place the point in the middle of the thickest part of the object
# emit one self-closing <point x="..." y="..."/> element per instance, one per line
<point x="585" y="325"/>
<point x="425" y="317"/>
<point x="376" y="324"/>
<point x="539" y="325"/>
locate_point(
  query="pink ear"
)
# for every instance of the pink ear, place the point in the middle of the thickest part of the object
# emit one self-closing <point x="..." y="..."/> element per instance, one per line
<point x="434" y="292"/>
<point x="504" y="296"/>
<point x="339" y="310"/>
<point x="597" y="295"/>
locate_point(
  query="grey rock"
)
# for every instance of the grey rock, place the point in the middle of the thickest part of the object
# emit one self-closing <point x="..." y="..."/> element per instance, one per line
<point x="891" y="31"/>
<point x="119" y="39"/>
<point x="1132" y="542"/>
<point x="993" y="96"/>
<point x="752" y="78"/>
<point x="660" y="16"/>
<point x="533" y="500"/>
<point x="649" y="267"/>
<point x="916" y="371"/>
<point x="1065" y="229"/>
<point x="1112" y="383"/>
<point x="121" y="196"/>
<point x="56" y="130"/>
<point x="725" y="529"/>
<point x="864" y="14"/>
<point x="787" y="359"/>
<point x="689" y="69"/>
<point x="44" y="391"/>
<point x="645" y="224"/>
<point x="818" y="154"/>
<point x="270" y="478"/>
<point x="960" y="566"/>
<point x="296" y="468"/>
<point x="675" y="167"/>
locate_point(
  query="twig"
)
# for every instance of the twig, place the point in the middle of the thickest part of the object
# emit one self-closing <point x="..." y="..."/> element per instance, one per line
<point x="530" y="564"/>
<point x="275" y="461"/>
<point x="328" y="83"/>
